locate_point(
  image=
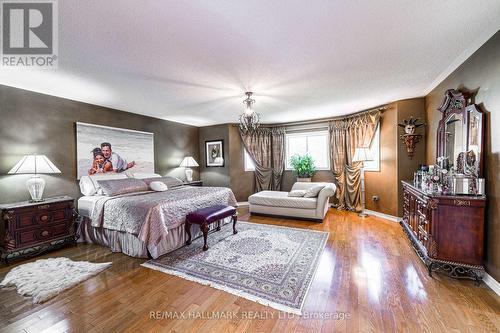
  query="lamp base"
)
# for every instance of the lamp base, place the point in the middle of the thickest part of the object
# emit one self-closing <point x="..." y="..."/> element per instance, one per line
<point x="363" y="214"/>
<point x="189" y="174"/>
<point x="36" y="185"/>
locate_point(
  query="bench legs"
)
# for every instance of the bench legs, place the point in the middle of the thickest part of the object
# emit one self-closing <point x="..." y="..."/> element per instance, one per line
<point x="204" y="229"/>
<point x="235" y="219"/>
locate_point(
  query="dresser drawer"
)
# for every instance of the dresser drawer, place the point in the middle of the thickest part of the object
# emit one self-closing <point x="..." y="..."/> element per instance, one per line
<point x="32" y="236"/>
<point x="27" y="220"/>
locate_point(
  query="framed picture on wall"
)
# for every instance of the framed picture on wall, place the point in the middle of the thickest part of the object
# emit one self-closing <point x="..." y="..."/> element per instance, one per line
<point x="103" y="149"/>
<point x="214" y="153"/>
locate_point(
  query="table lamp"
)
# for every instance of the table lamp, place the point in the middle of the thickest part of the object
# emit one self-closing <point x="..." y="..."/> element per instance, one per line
<point x="362" y="154"/>
<point x="189" y="162"/>
<point x="35" y="165"/>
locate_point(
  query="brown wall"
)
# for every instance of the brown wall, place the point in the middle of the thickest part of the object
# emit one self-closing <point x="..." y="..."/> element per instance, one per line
<point x="43" y="124"/>
<point x="481" y="71"/>
<point x="242" y="182"/>
<point x="394" y="162"/>
<point x="415" y="108"/>
<point x="383" y="183"/>
<point x="233" y="174"/>
<point x="214" y="176"/>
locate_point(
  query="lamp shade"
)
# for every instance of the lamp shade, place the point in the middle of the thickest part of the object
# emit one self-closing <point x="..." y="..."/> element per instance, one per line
<point x="34" y="164"/>
<point x="362" y="154"/>
<point x="188" y="162"/>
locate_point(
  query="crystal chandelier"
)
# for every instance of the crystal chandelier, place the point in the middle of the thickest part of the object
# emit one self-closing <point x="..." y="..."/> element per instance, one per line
<point x="249" y="120"/>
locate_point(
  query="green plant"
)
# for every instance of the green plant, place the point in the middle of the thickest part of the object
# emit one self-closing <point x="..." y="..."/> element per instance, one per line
<point x="303" y="165"/>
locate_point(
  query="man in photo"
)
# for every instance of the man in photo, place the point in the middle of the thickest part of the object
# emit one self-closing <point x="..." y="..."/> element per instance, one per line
<point x="119" y="163"/>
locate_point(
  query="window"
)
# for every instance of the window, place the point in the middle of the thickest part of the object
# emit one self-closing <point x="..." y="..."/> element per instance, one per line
<point x="315" y="143"/>
<point x="375" y="150"/>
<point x="249" y="166"/>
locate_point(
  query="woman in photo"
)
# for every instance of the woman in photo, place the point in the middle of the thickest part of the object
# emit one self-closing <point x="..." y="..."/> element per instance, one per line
<point x="100" y="164"/>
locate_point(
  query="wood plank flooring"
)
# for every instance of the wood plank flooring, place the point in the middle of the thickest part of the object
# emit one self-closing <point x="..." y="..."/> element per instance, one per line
<point x="369" y="280"/>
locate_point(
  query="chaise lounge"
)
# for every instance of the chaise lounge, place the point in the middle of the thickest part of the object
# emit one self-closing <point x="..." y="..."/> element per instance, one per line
<point x="280" y="203"/>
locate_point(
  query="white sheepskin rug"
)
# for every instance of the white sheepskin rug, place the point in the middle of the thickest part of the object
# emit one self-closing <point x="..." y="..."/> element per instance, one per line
<point x="46" y="278"/>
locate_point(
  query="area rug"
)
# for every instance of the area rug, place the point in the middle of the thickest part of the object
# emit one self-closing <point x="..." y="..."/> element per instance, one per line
<point x="267" y="264"/>
<point x="46" y="278"/>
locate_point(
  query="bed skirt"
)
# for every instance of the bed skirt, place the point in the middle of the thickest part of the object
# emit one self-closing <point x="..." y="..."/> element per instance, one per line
<point x="130" y="244"/>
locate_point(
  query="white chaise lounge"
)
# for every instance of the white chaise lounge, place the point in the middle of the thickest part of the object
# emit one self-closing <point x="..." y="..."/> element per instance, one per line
<point x="280" y="204"/>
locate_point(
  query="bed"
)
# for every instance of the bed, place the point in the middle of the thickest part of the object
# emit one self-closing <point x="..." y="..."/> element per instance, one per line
<point x="147" y="223"/>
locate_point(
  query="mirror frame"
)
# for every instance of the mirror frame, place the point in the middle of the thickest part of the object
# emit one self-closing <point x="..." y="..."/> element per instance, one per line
<point x="457" y="102"/>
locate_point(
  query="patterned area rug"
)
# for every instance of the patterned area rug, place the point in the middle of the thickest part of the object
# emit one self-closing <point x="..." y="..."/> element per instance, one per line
<point x="267" y="264"/>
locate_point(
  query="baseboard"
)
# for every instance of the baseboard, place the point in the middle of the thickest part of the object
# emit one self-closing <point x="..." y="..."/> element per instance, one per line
<point x="382" y="215"/>
<point x="243" y="204"/>
<point x="492" y="283"/>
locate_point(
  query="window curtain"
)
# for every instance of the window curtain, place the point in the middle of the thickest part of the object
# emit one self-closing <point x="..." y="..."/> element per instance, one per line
<point x="266" y="147"/>
<point x="345" y="135"/>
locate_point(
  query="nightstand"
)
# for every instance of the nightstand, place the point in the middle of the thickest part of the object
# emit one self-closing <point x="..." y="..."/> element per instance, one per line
<point x="30" y="228"/>
<point x="194" y="183"/>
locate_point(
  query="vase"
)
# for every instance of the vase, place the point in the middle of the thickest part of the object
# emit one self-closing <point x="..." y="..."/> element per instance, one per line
<point x="304" y="180"/>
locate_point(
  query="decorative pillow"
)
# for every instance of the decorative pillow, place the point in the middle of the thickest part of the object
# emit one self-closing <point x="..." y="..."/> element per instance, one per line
<point x="158" y="186"/>
<point x="89" y="185"/>
<point x="112" y="188"/>
<point x="142" y="175"/>
<point x="313" y="191"/>
<point x="167" y="180"/>
<point x="297" y="193"/>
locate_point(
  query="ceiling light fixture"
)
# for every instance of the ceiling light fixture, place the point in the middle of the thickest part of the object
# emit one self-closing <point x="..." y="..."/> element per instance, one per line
<point x="249" y="120"/>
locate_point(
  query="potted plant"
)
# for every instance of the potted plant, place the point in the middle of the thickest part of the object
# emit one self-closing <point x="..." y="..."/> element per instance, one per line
<point x="303" y="166"/>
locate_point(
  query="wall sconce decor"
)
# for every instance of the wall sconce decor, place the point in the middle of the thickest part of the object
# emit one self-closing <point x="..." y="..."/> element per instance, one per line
<point x="410" y="139"/>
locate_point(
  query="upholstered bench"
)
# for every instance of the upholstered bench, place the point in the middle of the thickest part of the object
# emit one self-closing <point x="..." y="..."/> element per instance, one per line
<point x="206" y="216"/>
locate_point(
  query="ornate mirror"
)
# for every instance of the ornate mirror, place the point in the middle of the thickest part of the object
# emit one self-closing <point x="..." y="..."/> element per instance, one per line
<point x="454" y="131"/>
<point x="460" y="134"/>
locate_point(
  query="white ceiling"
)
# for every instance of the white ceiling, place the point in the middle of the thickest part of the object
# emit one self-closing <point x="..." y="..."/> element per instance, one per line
<point x="192" y="61"/>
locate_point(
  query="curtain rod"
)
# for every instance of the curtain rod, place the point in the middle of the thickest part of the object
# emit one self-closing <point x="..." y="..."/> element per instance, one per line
<point x="325" y="120"/>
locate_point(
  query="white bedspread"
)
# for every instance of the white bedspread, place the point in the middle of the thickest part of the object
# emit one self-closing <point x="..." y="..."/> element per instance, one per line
<point x="86" y="204"/>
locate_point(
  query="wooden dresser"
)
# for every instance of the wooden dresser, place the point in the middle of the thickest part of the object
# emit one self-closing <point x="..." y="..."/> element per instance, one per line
<point x="446" y="231"/>
<point x="30" y="228"/>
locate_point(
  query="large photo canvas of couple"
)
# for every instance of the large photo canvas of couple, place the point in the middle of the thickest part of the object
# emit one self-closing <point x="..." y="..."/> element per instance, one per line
<point x="103" y="149"/>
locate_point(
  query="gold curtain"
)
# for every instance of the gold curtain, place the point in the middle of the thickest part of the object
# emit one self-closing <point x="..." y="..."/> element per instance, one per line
<point x="278" y="152"/>
<point x="266" y="147"/>
<point x="338" y="159"/>
<point x="345" y="135"/>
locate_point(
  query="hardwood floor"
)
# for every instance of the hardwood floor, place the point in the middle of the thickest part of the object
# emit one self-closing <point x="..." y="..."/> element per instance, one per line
<point x="369" y="280"/>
